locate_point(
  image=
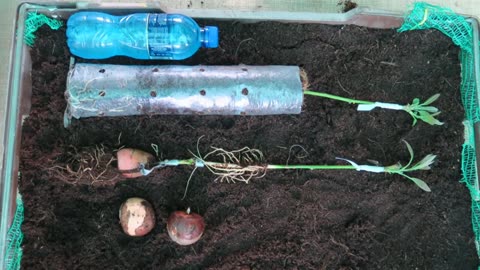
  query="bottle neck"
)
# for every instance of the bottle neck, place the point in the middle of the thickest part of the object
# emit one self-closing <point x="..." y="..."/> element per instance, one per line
<point x="203" y="38"/>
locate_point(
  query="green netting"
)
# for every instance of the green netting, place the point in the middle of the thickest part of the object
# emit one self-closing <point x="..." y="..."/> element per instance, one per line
<point x="425" y="16"/>
<point x="14" y="238"/>
<point x="35" y="21"/>
<point x="468" y="87"/>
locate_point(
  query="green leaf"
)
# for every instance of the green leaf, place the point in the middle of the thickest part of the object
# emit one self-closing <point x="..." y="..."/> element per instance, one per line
<point x="416" y="101"/>
<point x="425" y="163"/>
<point x="420" y="183"/>
<point x="414" y="121"/>
<point x="409" y="148"/>
<point x="428" y="109"/>
<point x="428" y="118"/>
<point x="431" y="99"/>
<point x="437" y="122"/>
<point x="410" y="151"/>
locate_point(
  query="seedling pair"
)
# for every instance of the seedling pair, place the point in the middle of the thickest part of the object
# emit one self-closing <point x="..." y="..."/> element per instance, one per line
<point x="245" y="164"/>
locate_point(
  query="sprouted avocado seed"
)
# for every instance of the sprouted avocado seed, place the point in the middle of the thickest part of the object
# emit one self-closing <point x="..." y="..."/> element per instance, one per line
<point x="184" y="227"/>
<point x="137" y="217"/>
<point x="130" y="161"/>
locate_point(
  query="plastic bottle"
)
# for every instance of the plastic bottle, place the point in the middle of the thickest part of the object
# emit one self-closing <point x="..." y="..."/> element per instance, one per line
<point x="96" y="35"/>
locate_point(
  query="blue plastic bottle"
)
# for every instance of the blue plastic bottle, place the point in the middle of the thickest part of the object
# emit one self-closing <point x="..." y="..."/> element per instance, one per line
<point x="96" y="35"/>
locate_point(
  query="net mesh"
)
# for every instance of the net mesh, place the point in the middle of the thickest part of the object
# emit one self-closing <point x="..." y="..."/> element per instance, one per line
<point x="426" y="16"/>
<point x="14" y="238"/>
<point x="35" y="21"/>
<point x="423" y="16"/>
<point x="468" y="87"/>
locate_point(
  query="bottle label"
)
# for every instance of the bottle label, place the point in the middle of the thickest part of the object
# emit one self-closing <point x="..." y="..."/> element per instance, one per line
<point x="159" y="36"/>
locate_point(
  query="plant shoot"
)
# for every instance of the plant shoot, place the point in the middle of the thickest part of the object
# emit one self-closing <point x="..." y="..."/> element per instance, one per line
<point x="418" y="111"/>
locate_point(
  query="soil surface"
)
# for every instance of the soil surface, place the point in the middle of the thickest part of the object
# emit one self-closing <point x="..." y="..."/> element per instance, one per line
<point x="287" y="219"/>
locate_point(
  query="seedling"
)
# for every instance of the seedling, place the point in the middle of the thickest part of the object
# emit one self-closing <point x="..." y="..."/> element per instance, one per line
<point x="211" y="90"/>
<point x="245" y="164"/>
<point x="418" y="111"/>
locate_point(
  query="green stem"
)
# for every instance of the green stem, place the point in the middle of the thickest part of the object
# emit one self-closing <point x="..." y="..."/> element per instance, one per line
<point x="325" y="95"/>
<point x="190" y="161"/>
<point x="310" y="167"/>
<point x="291" y="167"/>
<point x="273" y="166"/>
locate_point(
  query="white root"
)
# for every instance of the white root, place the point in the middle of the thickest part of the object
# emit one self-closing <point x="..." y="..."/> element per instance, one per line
<point x="238" y="165"/>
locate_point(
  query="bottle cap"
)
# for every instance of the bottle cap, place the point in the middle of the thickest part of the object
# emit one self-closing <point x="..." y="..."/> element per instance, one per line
<point x="211" y="37"/>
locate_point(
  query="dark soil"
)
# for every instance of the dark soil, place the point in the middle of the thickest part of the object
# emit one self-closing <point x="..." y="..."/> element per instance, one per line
<point x="287" y="219"/>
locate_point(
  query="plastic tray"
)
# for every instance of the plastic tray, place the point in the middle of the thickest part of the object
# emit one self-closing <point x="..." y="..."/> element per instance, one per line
<point x="19" y="84"/>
